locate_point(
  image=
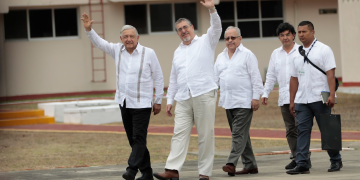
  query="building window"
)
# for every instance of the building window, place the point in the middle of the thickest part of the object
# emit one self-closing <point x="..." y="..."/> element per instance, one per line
<point x="135" y="15"/>
<point x="41" y="23"/>
<point x="162" y="16"/>
<point x="255" y="18"/>
<point x="15" y="25"/>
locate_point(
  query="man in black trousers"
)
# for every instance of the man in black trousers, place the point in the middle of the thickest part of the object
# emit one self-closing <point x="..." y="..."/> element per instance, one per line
<point x="137" y="70"/>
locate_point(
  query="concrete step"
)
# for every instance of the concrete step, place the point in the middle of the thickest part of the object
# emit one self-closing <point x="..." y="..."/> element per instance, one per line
<point x="21" y="114"/>
<point x="27" y="121"/>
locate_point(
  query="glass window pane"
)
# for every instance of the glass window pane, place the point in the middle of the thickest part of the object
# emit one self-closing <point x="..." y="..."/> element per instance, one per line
<point x="224" y="26"/>
<point x="269" y="27"/>
<point x="40" y="23"/>
<point x="271" y="9"/>
<point x="135" y="15"/>
<point x="249" y="29"/>
<point x="226" y="10"/>
<point x="247" y="9"/>
<point x="15" y="25"/>
<point x="66" y="22"/>
<point x="161" y="17"/>
<point x="188" y="11"/>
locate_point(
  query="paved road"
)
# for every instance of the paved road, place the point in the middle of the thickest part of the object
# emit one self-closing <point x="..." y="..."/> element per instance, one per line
<point x="271" y="167"/>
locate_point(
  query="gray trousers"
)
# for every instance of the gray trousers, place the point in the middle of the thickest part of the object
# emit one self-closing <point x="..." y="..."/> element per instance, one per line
<point x="239" y="120"/>
<point x="291" y="129"/>
<point x="305" y="116"/>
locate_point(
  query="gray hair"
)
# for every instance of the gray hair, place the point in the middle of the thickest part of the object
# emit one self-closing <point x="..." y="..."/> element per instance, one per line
<point x="183" y="19"/>
<point x="232" y="27"/>
<point x="125" y="27"/>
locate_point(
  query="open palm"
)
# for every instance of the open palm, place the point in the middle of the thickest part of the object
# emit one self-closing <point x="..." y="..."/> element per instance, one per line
<point x="87" y="22"/>
<point x="208" y="3"/>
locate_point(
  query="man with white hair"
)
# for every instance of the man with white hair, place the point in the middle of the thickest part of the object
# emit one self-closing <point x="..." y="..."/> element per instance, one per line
<point x="237" y="73"/>
<point x="192" y="85"/>
<point x="137" y="69"/>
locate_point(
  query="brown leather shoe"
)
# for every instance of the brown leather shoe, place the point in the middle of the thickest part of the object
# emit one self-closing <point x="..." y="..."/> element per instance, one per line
<point x="247" y="171"/>
<point x="230" y="169"/>
<point x="168" y="175"/>
<point x="203" y="177"/>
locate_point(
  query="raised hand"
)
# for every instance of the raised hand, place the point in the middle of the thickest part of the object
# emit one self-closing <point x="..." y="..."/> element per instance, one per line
<point x="208" y="4"/>
<point x="87" y="22"/>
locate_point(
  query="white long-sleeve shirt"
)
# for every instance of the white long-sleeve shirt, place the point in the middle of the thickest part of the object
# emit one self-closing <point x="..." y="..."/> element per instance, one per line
<point x="239" y="78"/>
<point x="311" y="80"/>
<point x="279" y="71"/>
<point x="135" y="78"/>
<point x="193" y="65"/>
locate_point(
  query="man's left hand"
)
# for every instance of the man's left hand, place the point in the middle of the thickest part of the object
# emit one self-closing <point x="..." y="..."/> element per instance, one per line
<point x="330" y="101"/>
<point x="255" y="104"/>
<point x="208" y="4"/>
<point x="156" y="108"/>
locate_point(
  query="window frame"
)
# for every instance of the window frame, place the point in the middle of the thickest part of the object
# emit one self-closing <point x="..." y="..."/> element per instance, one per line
<point x="260" y="19"/>
<point x="148" y="14"/>
<point x="29" y="38"/>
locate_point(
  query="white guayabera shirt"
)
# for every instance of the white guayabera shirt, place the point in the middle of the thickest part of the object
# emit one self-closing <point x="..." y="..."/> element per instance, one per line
<point x="136" y="76"/>
<point x="279" y="71"/>
<point x="311" y="80"/>
<point x="192" y="69"/>
<point x="239" y="78"/>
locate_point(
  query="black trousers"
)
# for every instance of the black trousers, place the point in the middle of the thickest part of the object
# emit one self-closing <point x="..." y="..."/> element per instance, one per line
<point x="136" y="123"/>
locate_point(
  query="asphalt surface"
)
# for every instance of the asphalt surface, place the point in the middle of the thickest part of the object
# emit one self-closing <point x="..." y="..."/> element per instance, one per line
<point x="271" y="167"/>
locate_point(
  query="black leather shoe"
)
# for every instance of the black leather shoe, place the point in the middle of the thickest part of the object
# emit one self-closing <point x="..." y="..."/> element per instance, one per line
<point x="129" y="174"/>
<point x="309" y="163"/>
<point x="336" y="166"/>
<point x="146" y="176"/>
<point x="291" y="165"/>
<point x="298" y="170"/>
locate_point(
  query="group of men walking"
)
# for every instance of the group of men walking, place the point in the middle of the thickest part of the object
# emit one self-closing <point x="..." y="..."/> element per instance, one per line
<point x="194" y="81"/>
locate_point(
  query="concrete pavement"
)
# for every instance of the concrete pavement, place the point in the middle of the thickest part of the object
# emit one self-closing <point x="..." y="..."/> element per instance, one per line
<point x="271" y="167"/>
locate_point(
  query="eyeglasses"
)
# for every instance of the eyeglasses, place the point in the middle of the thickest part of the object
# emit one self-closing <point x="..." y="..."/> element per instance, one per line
<point x="231" y="37"/>
<point x="283" y="35"/>
<point x="184" y="27"/>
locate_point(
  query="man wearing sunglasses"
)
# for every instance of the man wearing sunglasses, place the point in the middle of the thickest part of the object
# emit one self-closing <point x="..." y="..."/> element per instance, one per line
<point x="237" y="73"/>
<point x="192" y="85"/>
<point x="279" y="71"/>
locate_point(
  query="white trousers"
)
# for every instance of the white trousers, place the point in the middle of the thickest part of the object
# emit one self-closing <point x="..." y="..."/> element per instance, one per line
<point x="200" y="111"/>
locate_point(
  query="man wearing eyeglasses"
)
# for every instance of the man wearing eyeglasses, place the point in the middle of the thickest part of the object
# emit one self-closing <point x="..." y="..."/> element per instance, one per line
<point x="192" y="85"/>
<point x="237" y="73"/>
<point x="279" y="71"/>
<point x="137" y="70"/>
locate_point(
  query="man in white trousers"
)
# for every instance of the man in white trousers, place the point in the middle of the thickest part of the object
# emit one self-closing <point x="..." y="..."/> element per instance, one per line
<point x="137" y="70"/>
<point x="193" y="86"/>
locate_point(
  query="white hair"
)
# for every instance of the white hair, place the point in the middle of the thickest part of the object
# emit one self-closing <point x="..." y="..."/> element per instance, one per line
<point x="125" y="27"/>
<point x="232" y="27"/>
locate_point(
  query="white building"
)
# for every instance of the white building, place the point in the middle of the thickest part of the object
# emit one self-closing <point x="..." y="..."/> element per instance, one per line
<point x="44" y="50"/>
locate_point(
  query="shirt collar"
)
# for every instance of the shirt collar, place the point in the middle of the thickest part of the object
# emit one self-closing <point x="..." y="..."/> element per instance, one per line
<point x="195" y="38"/>
<point x="292" y="50"/>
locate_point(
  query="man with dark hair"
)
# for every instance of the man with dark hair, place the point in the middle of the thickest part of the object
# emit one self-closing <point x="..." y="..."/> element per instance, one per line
<point x="279" y="71"/>
<point x="306" y="85"/>
<point x="193" y="87"/>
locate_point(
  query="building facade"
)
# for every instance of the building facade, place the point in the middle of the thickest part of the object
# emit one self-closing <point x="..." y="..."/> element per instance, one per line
<point x="44" y="48"/>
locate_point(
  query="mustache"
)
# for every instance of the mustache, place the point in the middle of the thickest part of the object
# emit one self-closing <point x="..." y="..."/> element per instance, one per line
<point x="229" y="43"/>
<point x="185" y="33"/>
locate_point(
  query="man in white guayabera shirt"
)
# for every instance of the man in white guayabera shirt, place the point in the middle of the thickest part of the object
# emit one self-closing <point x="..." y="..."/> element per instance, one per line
<point x="192" y="85"/>
<point x="279" y="70"/>
<point x="137" y="69"/>
<point x="237" y="73"/>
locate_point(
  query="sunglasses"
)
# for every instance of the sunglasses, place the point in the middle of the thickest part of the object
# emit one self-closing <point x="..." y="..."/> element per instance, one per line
<point x="231" y="37"/>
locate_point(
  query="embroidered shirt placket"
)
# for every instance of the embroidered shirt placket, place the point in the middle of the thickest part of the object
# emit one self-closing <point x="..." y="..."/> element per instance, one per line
<point x="140" y="72"/>
<point x="118" y="71"/>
